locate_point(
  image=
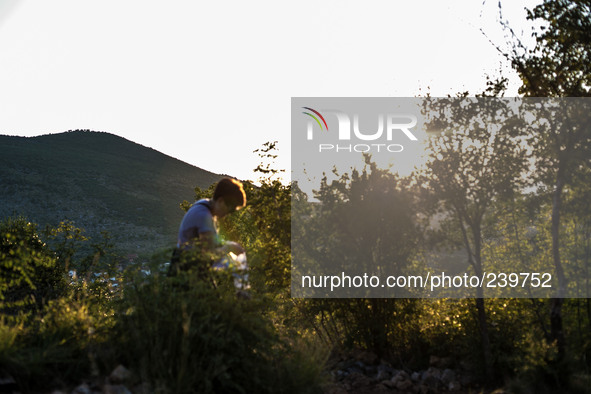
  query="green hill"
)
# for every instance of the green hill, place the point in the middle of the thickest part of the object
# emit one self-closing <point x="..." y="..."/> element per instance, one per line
<point x="101" y="182"/>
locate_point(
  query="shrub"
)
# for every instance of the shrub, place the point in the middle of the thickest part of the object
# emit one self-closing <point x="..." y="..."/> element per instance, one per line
<point x="30" y="273"/>
<point x="182" y="335"/>
<point x="53" y="347"/>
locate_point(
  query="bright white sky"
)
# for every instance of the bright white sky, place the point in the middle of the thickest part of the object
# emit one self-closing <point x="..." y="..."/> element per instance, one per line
<point x="209" y="82"/>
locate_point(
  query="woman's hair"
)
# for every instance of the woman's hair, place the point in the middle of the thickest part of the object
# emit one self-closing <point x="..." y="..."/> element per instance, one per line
<point x="231" y="191"/>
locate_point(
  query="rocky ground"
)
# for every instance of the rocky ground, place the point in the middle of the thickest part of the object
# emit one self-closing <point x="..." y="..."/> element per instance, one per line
<point x="365" y="373"/>
<point x="360" y="372"/>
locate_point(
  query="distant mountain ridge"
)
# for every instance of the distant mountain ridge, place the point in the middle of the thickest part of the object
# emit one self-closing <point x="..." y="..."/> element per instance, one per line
<point x="100" y="181"/>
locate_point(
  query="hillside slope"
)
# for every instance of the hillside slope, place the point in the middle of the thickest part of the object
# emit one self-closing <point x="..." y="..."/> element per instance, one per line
<point x="100" y="181"/>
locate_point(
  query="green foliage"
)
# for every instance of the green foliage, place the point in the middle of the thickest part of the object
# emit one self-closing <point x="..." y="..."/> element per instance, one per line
<point x="183" y="336"/>
<point x="30" y="273"/>
<point x="51" y="326"/>
<point x="54" y="346"/>
<point x="363" y="222"/>
<point x="180" y="334"/>
<point x="367" y="221"/>
<point x="559" y="64"/>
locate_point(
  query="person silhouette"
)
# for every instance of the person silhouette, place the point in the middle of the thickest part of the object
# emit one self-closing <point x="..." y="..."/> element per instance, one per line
<point x="198" y="244"/>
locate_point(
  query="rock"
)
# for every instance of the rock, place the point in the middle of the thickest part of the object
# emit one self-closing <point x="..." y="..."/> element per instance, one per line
<point x="82" y="389"/>
<point x="359" y="380"/>
<point x="429" y="378"/>
<point x="388" y="383"/>
<point x="355" y="369"/>
<point x="415" y="377"/>
<point x="120" y="374"/>
<point x="400" y="376"/>
<point x="371" y="369"/>
<point x="7" y="380"/>
<point x="448" y="376"/>
<point x="360" y="364"/>
<point x="434" y="372"/>
<point x="340" y="375"/>
<point x="8" y="384"/>
<point x="383" y="374"/>
<point x="423" y="389"/>
<point x="454" y="386"/>
<point x="115" y="389"/>
<point x="403" y="385"/>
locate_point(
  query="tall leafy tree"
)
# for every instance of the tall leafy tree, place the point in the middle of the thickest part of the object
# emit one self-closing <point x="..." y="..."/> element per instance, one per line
<point x="364" y="222"/>
<point x="558" y="66"/>
<point x="474" y="159"/>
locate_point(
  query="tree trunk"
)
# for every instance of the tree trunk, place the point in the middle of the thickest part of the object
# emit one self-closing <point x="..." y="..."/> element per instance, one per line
<point x="556" y="330"/>
<point x="475" y="259"/>
<point x="482" y="318"/>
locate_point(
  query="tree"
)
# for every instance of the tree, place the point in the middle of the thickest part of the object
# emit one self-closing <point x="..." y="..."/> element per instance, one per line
<point x="474" y="160"/>
<point x="558" y="66"/>
<point x="30" y="273"/>
<point x="363" y="223"/>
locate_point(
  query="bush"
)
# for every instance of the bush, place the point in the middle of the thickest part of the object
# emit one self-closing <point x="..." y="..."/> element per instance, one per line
<point x="49" y="330"/>
<point x="182" y="335"/>
<point x="51" y="348"/>
<point x="30" y="273"/>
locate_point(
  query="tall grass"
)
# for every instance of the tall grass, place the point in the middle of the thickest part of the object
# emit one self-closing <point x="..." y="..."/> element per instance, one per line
<point x="182" y="335"/>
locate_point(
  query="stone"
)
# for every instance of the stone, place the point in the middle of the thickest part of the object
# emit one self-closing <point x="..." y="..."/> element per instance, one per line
<point x="371" y="369"/>
<point x="436" y="372"/>
<point x="115" y="389"/>
<point x="82" y="389"/>
<point x="424" y="389"/>
<point x="120" y="374"/>
<point x="359" y="380"/>
<point x="429" y="379"/>
<point x="388" y="383"/>
<point x="360" y="364"/>
<point x="8" y="384"/>
<point x="415" y="377"/>
<point x="7" y="380"/>
<point x="403" y="385"/>
<point x="448" y="376"/>
<point x="400" y="376"/>
<point x="383" y="374"/>
<point x="355" y="369"/>
<point x="341" y="374"/>
<point x="454" y="386"/>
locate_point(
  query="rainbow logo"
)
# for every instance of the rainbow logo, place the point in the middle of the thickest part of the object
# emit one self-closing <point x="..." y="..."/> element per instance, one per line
<point x="315" y="118"/>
